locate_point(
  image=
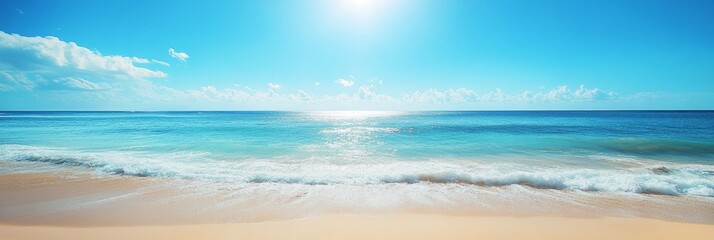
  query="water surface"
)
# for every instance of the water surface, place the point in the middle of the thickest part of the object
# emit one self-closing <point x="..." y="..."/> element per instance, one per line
<point x="385" y="158"/>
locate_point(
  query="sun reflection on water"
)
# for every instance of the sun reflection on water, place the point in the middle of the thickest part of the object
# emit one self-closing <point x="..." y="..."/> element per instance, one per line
<point x="352" y="136"/>
<point x="351" y="115"/>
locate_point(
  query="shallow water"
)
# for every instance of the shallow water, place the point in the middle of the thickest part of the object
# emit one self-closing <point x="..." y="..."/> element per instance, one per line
<point x="627" y="153"/>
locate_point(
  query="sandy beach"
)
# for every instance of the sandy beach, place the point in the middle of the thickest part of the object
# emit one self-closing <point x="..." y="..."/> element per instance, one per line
<point x="403" y="226"/>
<point x="356" y="119"/>
<point x="75" y="205"/>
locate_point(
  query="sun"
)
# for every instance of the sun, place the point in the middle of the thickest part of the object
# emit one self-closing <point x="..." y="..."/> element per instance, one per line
<point x="358" y="21"/>
<point x="360" y="8"/>
<point x="360" y="5"/>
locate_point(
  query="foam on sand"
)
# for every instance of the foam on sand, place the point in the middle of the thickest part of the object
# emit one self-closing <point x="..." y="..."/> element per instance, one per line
<point x="655" y="178"/>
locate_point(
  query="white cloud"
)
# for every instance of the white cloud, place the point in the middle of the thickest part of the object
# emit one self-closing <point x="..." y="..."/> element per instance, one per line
<point x="563" y="93"/>
<point x="370" y="93"/>
<point x="345" y="82"/>
<point x="139" y="60"/>
<point x="144" y="60"/>
<point x="248" y="96"/>
<point x="15" y="81"/>
<point x="48" y="63"/>
<point x="50" y="52"/>
<point x="368" y="97"/>
<point x="496" y="96"/>
<point x="464" y="95"/>
<point x="181" y="56"/>
<point x="594" y="93"/>
<point x="460" y="95"/>
<point x="211" y="94"/>
<point x="27" y="63"/>
<point x="81" y="84"/>
<point x="161" y="62"/>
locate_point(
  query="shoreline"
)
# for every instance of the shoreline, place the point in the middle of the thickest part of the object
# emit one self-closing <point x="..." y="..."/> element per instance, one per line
<point x="75" y="204"/>
<point x="76" y="198"/>
<point x="392" y="226"/>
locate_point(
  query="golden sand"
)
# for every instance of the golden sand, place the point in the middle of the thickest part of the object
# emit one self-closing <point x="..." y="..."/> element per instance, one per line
<point x="402" y="226"/>
<point x="73" y="205"/>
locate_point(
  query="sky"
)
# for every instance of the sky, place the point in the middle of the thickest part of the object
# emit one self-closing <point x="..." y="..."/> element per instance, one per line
<point x="356" y="55"/>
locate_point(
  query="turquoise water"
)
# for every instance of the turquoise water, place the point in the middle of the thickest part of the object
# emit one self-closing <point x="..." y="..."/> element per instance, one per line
<point x="640" y="152"/>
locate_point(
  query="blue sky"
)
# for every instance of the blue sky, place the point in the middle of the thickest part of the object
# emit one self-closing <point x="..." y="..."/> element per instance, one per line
<point x="356" y="55"/>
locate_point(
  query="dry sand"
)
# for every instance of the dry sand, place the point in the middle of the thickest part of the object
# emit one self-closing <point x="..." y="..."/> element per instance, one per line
<point x="402" y="226"/>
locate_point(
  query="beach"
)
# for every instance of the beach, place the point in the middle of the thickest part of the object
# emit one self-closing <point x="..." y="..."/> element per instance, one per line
<point x="384" y="175"/>
<point x="83" y="207"/>
<point x="139" y="219"/>
<point x="406" y="226"/>
<point x="356" y="119"/>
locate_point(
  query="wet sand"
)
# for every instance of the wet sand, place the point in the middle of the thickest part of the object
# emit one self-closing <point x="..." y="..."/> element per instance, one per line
<point x="70" y="204"/>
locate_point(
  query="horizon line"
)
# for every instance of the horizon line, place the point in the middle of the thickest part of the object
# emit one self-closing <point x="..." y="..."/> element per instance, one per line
<point x="482" y="110"/>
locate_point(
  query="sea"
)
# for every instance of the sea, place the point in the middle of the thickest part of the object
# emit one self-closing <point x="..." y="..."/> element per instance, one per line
<point x="440" y="158"/>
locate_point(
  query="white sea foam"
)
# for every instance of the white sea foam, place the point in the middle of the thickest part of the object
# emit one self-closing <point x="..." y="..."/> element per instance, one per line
<point x="657" y="178"/>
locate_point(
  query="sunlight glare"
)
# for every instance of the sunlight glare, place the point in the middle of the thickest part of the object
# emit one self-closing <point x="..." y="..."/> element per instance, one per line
<point x="360" y="10"/>
<point x="357" y="115"/>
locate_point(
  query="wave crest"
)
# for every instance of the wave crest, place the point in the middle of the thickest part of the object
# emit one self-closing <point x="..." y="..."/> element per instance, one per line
<point x="672" y="179"/>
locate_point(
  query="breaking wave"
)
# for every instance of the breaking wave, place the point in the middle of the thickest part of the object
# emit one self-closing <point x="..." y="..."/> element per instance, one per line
<point x="654" y="178"/>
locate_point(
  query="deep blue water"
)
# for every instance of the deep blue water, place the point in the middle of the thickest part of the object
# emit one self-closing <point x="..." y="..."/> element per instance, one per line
<point x="667" y="152"/>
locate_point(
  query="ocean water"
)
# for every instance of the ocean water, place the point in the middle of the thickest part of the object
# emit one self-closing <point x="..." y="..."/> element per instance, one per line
<point x="631" y="152"/>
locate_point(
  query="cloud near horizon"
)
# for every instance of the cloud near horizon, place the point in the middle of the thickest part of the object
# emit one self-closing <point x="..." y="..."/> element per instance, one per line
<point x="50" y="64"/>
<point x="345" y="82"/>
<point x="368" y="94"/>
